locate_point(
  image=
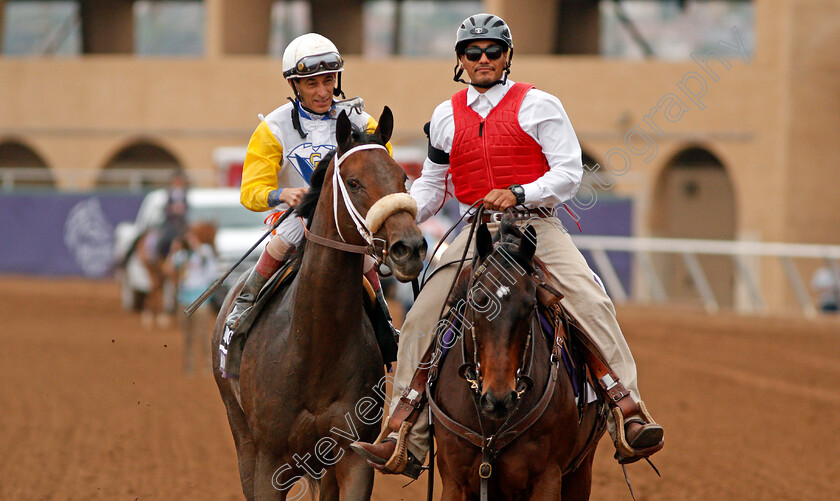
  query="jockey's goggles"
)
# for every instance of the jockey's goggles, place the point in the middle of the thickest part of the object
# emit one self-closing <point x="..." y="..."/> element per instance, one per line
<point x="310" y="65"/>
<point x="493" y="52"/>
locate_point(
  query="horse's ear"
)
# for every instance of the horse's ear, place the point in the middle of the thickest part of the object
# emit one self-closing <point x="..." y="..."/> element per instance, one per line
<point x="343" y="129"/>
<point x="483" y="242"/>
<point x="528" y="244"/>
<point x="386" y="125"/>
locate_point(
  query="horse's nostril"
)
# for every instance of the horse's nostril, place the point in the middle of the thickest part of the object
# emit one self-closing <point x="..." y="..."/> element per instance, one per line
<point x="421" y="247"/>
<point x="487" y="402"/>
<point x="399" y="250"/>
<point x="510" y="400"/>
<point x="404" y="249"/>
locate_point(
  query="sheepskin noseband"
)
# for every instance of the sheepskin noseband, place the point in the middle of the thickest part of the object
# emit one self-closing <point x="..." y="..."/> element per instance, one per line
<point x="387" y="205"/>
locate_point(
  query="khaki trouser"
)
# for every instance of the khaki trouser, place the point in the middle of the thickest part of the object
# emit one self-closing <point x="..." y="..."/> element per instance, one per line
<point x="584" y="299"/>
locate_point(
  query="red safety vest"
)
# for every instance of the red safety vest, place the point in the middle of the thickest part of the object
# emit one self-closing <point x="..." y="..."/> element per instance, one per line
<point x="493" y="152"/>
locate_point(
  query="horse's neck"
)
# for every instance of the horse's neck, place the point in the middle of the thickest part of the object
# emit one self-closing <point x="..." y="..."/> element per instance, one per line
<point x="329" y="288"/>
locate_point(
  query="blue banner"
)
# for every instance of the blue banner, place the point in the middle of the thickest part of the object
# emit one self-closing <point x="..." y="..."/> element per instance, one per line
<point x="62" y="234"/>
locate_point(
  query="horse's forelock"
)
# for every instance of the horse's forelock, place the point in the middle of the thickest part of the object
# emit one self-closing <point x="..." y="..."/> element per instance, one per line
<point x="361" y="136"/>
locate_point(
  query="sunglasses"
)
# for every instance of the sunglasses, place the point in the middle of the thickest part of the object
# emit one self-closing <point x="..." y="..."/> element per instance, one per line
<point x="313" y="64"/>
<point x="493" y="52"/>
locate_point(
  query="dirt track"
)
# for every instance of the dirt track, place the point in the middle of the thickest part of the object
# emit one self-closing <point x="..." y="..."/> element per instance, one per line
<point x="96" y="407"/>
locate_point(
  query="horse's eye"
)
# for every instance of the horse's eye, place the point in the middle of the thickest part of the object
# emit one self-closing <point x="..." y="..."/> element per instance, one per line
<point x="353" y="184"/>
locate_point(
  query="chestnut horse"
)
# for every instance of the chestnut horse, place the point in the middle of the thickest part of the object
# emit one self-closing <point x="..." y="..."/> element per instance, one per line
<point x="513" y="425"/>
<point x="311" y="360"/>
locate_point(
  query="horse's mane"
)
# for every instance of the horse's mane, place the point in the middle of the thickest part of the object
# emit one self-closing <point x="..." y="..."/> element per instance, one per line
<point x="307" y="205"/>
<point x="508" y="237"/>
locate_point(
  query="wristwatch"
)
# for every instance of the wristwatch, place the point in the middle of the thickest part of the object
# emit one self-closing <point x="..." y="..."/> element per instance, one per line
<point x="519" y="192"/>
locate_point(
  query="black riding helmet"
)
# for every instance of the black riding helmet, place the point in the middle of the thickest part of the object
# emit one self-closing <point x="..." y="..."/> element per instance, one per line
<point x="482" y="27"/>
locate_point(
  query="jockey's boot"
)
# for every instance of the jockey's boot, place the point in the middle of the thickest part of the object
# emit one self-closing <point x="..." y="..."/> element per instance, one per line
<point x="379" y="455"/>
<point x="636" y="435"/>
<point x="384" y="321"/>
<point x="380" y="317"/>
<point x="263" y="270"/>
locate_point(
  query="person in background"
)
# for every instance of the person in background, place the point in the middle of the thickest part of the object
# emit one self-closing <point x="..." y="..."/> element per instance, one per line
<point x="195" y="266"/>
<point x="175" y="211"/>
<point x="826" y="282"/>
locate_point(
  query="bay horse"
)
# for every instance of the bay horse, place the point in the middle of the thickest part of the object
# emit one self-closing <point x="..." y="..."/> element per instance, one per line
<point x="159" y="303"/>
<point x="505" y="414"/>
<point x="311" y="359"/>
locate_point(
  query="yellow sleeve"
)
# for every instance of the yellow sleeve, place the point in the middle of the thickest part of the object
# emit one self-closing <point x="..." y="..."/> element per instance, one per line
<point x="371" y="128"/>
<point x="259" y="173"/>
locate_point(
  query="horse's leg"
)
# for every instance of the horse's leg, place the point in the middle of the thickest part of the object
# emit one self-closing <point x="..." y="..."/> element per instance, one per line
<point x="265" y="467"/>
<point x="242" y="438"/>
<point x="577" y="485"/>
<point x="147" y="315"/>
<point x="355" y="477"/>
<point x="548" y="486"/>
<point x="328" y="488"/>
<point x="450" y="490"/>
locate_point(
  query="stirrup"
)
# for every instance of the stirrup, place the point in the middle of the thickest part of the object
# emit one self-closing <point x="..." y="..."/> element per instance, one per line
<point x="235" y="317"/>
<point x="401" y="462"/>
<point x="625" y="453"/>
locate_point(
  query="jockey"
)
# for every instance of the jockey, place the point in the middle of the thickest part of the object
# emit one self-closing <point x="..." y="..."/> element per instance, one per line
<point x="174" y="214"/>
<point x="470" y="140"/>
<point x="286" y="148"/>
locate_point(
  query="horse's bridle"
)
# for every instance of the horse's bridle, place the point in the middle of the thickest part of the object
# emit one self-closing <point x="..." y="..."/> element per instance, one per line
<point x="471" y="371"/>
<point x="366" y="226"/>
<point x="492" y="446"/>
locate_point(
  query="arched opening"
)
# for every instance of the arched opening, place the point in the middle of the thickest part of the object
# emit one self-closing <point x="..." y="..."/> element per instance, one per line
<point x="694" y="199"/>
<point x="20" y="167"/>
<point x="138" y="166"/>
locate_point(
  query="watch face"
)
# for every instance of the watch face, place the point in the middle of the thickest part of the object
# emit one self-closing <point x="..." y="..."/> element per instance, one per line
<point x="519" y="192"/>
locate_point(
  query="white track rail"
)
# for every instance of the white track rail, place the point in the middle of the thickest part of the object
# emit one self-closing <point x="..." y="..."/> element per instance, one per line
<point x="740" y="252"/>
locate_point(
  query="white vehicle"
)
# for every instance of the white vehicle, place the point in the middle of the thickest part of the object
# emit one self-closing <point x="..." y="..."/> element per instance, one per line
<point x="237" y="230"/>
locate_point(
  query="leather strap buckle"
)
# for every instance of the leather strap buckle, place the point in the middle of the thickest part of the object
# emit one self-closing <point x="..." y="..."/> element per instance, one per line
<point x="412" y="397"/>
<point x="617" y="392"/>
<point x="485" y="469"/>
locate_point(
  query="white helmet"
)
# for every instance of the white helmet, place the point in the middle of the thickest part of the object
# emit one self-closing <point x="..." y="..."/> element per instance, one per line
<point x="309" y="55"/>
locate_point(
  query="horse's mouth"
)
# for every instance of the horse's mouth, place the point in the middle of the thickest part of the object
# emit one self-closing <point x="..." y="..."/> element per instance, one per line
<point x="405" y="257"/>
<point x="406" y="273"/>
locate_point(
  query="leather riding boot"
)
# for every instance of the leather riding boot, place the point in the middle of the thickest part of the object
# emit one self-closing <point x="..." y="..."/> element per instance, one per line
<point x="252" y="286"/>
<point x="637" y="435"/>
<point x="377" y="456"/>
<point x="386" y="314"/>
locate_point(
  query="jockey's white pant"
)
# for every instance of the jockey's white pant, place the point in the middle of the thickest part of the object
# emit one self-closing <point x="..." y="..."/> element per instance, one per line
<point x="584" y="298"/>
<point x="291" y="230"/>
<point x="287" y="236"/>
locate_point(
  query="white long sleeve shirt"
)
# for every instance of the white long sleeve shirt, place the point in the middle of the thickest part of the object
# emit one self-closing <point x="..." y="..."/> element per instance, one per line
<point x="541" y="116"/>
